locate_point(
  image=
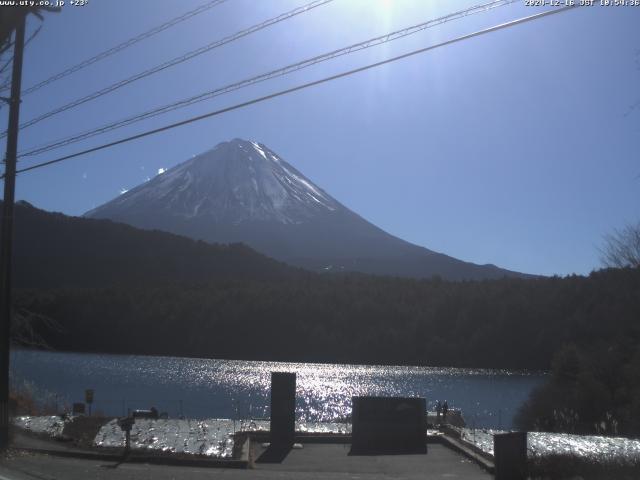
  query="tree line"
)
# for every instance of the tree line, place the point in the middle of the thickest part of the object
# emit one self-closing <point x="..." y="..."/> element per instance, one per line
<point x="508" y="323"/>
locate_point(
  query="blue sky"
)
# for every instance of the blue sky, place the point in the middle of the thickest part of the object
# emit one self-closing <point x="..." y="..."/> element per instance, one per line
<point x="519" y="148"/>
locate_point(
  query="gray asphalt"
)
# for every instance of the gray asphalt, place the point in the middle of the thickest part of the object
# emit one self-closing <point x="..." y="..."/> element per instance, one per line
<point x="311" y="462"/>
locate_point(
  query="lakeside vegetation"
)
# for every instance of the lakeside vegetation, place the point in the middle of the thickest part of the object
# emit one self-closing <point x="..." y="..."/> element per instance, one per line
<point x="350" y="318"/>
<point x="592" y="389"/>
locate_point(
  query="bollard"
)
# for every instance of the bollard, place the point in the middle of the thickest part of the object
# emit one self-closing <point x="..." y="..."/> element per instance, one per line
<point x="510" y="455"/>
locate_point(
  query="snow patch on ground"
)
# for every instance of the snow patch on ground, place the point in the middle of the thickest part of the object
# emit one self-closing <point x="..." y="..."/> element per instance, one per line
<point x="51" y="425"/>
<point x="540" y="444"/>
<point x="201" y="437"/>
<point x="211" y="437"/>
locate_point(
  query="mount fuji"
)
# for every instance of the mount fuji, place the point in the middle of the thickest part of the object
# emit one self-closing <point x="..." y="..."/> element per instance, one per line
<point x="241" y="191"/>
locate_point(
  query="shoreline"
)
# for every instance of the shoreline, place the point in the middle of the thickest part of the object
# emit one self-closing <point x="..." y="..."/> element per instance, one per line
<point x="467" y="370"/>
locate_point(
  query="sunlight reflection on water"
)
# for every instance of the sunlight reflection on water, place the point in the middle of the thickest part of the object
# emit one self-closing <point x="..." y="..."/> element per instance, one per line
<point x="205" y="388"/>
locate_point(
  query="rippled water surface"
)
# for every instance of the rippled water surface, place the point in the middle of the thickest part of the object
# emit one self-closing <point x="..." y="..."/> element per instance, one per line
<point x="204" y="388"/>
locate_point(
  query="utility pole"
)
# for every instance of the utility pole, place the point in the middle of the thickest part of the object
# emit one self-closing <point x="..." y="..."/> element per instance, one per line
<point x="6" y="239"/>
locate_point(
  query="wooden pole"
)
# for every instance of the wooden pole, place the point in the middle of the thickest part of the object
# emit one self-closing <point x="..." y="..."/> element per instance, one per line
<point x="6" y="239"/>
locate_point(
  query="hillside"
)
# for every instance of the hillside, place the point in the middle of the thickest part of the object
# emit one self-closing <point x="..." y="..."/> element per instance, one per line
<point x="56" y="250"/>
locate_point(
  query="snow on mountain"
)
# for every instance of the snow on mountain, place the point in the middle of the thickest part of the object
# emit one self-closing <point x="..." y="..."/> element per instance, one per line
<point x="236" y="182"/>
<point x="241" y="191"/>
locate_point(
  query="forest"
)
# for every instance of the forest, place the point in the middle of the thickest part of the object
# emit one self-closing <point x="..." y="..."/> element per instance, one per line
<point x="352" y="318"/>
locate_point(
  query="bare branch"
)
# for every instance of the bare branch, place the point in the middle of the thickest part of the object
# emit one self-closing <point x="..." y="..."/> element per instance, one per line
<point x="622" y="247"/>
<point x="25" y="332"/>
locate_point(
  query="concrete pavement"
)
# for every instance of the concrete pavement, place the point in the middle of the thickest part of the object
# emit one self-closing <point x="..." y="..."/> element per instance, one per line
<point x="313" y="461"/>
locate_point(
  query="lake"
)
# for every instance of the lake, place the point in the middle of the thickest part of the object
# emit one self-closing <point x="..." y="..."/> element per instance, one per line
<point x="206" y="388"/>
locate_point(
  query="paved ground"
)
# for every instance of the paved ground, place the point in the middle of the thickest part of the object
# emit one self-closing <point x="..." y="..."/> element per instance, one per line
<point x="328" y="460"/>
<point x="311" y="462"/>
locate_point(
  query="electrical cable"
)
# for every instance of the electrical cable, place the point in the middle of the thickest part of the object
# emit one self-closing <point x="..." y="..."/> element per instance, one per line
<point x="267" y="76"/>
<point x="128" y="43"/>
<point x="174" y="61"/>
<point x="299" y="87"/>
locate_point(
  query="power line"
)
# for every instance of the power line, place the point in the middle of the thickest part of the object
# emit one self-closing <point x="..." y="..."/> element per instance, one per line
<point x="299" y="87"/>
<point x="128" y="43"/>
<point x="176" y="61"/>
<point x="268" y="76"/>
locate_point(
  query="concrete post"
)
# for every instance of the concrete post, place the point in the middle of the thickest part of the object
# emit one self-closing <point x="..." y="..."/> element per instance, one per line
<point x="283" y="409"/>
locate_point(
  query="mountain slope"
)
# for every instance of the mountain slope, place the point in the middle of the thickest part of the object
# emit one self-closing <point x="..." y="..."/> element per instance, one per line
<point x="53" y="250"/>
<point x="242" y="191"/>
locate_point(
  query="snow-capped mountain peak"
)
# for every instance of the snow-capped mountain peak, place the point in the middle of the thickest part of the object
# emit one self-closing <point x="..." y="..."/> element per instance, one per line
<point x="236" y="181"/>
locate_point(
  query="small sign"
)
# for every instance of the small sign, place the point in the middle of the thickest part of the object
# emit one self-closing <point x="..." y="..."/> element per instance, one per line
<point x="78" y="409"/>
<point x="88" y="395"/>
